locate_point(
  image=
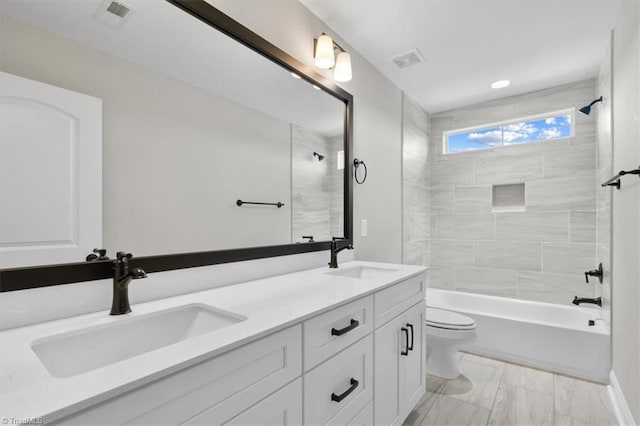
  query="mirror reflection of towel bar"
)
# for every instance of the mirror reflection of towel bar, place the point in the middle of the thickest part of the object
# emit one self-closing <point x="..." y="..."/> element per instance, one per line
<point x="278" y="204"/>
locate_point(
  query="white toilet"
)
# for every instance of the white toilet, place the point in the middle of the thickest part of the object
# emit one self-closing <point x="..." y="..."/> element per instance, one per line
<point x="446" y="331"/>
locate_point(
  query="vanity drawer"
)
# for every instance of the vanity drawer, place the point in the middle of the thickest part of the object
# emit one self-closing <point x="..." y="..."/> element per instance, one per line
<point x="351" y="369"/>
<point x="282" y="408"/>
<point x="229" y="383"/>
<point x="396" y="299"/>
<point x="329" y="333"/>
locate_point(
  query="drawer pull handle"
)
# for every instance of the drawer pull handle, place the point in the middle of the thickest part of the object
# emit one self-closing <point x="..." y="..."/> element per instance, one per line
<point x="405" y="352"/>
<point x="351" y="326"/>
<point x="410" y="347"/>
<point x="338" y="398"/>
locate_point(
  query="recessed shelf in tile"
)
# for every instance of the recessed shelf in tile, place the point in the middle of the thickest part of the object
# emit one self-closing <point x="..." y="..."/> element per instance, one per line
<point x="507" y="198"/>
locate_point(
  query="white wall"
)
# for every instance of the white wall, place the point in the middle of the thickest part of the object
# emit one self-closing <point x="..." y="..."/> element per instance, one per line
<point x="377" y="120"/>
<point x="625" y="255"/>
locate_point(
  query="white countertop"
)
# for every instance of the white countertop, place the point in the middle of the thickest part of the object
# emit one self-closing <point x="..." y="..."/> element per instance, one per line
<point x="28" y="390"/>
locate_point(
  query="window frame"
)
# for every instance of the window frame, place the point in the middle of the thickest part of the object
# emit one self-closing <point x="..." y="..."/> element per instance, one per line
<point x="567" y="111"/>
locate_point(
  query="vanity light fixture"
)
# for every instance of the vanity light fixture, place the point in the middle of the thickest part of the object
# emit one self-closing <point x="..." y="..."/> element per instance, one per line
<point x="324" y="49"/>
<point x="340" y="161"/>
<point x="500" y="84"/>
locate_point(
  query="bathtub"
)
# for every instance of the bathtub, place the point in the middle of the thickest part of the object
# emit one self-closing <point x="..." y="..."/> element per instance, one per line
<point x="543" y="335"/>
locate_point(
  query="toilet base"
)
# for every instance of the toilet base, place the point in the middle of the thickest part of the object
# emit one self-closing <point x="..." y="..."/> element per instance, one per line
<point x="443" y="362"/>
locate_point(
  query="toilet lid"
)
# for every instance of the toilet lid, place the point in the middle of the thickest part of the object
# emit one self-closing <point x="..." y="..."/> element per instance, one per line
<point x="449" y="320"/>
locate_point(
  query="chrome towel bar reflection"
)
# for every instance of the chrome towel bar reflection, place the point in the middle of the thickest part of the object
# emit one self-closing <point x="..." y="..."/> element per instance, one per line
<point x="278" y="204"/>
<point x="615" y="181"/>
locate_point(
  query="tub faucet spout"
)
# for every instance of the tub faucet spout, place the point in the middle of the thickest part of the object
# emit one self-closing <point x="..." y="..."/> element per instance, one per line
<point x="578" y="300"/>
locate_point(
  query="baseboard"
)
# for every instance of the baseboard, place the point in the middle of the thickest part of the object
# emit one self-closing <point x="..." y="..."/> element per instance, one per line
<point x="622" y="411"/>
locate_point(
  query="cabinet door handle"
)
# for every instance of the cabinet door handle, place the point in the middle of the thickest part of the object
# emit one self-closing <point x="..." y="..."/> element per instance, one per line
<point x="351" y="326"/>
<point x="405" y="351"/>
<point x="410" y="346"/>
<point x="343" y="395"/>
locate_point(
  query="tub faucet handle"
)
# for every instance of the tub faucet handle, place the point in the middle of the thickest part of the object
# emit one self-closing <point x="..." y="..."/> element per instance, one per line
<point x="594" y="273"/>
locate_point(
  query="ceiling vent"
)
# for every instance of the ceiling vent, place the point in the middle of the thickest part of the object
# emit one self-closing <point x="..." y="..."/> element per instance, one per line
<point x="408" y="59"/>
<point x="113" y="14"/>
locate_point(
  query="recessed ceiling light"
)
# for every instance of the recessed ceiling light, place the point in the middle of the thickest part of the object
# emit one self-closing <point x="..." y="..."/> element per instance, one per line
<point x="500" y="84"/>
<point x="315" y="87"/>
<point x="294" y="75"/>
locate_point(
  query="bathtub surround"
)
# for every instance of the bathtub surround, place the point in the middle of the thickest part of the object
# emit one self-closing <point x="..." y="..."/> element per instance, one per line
<point x="489" y="236"/>
<point x="317" y="195"/>
<point x="415" y="184"/>
<point x="604" y="161"/>
<point x="625" y="244"/>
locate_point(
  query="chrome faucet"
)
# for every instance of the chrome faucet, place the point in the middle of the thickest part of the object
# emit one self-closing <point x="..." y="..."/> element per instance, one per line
<point x="335" y="250"/>
<point x="121" y="279"/>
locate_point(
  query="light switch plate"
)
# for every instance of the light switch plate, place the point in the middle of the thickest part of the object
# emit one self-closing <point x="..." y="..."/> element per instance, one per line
<point x="364" y="225"/>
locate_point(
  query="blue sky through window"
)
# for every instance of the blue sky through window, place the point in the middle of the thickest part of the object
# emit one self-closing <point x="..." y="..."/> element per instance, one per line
<point x="536" y="130"/>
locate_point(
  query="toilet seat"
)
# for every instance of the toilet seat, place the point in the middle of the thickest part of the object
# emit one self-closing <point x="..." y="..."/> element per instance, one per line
<point x="448" y="320"/>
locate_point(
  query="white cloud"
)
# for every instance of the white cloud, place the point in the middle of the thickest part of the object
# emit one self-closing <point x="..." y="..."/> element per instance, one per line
<point x="550" y="133"/>
<point x="490" y="138"/>
<point x="550" y="120"/>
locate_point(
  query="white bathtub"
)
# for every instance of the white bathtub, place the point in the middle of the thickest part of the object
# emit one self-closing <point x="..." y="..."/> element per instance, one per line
<point x="552" y="337"/>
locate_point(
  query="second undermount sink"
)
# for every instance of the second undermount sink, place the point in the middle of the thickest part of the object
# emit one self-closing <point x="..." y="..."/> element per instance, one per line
<point x="80" y="351"/>
<point x="363" y="272"/>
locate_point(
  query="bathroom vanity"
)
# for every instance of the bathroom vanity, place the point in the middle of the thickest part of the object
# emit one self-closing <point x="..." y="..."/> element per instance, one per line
<point x="322" y="346"/>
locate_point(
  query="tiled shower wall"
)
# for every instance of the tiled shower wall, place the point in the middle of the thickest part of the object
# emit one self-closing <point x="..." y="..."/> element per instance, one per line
<point x="540" y="253"/>
<point x="317" y="198"/>
<point x="415" y="184"/>
<point x="604" y="161"/>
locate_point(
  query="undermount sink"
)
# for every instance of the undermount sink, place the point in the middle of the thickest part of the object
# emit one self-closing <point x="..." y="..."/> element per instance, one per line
<point x="80" y="351"/>
<point x="363" y="272"/>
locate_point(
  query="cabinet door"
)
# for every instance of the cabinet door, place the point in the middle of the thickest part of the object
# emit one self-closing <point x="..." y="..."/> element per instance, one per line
<point x="390" y="342"/>
<point x="282" y="408"/>
<point x="414" y="374"/>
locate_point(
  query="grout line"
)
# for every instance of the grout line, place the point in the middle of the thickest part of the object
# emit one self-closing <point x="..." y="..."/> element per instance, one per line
<point x="495" y="396"/>
<point x="553" y="394"/>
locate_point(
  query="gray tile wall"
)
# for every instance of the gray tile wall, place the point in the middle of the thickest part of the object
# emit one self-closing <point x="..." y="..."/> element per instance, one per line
<point x="415" y="184"/>
<point x="604" y="161"/>
<point x="316" y="186"/>
<point x="539" y="253"/>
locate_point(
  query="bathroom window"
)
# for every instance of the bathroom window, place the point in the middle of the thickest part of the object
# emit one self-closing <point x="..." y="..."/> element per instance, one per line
<point x="541" y="128"/>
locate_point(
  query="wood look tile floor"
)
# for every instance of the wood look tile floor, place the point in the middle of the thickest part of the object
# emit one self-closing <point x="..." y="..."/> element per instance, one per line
<point x="491" y="392"/>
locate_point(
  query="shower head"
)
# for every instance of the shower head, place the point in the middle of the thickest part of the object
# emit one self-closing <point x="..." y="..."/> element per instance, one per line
<point x="587" y="109"/>
<point x="320" y="156"/>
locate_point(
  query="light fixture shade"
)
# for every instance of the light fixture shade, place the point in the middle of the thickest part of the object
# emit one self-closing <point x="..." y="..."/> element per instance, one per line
<point x="340" y="160"/>
<point x="342" y="71"/>
<point x="324" y="57"/>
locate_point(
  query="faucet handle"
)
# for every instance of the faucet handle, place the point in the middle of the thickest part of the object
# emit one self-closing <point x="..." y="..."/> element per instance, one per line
<point x="123" y="257"/>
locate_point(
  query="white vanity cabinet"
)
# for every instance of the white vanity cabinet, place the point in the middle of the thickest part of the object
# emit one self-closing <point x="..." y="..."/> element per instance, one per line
<point x="361" y="363"/>
<point x="216" y="390"/>
<point x="399" y="355"/>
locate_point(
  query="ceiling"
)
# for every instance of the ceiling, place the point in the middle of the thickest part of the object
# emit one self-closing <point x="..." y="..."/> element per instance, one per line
<point x="468" y="44"/>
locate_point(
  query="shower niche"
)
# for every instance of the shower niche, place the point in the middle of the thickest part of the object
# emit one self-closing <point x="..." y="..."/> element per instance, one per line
<point x="508" y="198"/>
